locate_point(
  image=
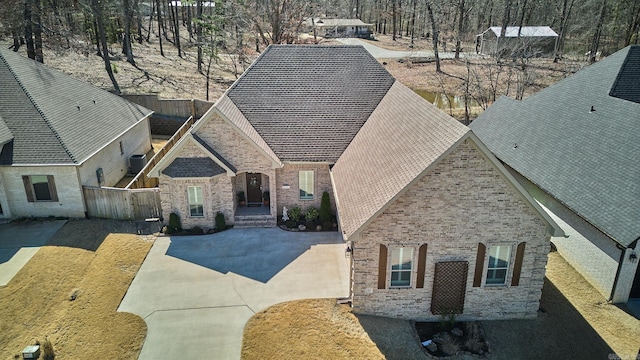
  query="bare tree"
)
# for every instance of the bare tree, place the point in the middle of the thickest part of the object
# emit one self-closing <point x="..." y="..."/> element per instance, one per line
<point x="126" y="41"/>
<point x="435" y="33"/>
<point x="96" y="7"/>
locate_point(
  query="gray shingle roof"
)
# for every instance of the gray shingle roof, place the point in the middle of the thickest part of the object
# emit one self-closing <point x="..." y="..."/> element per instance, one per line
<point x="54" y="118"/>
<point x="587" y="160"/>
<point x="627" y="85"/>
<point x="193" y="167"/>
<point x="386" y="156"/>
<point x="308" y="102"/>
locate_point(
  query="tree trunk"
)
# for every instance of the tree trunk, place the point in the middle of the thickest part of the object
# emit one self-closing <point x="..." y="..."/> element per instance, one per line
<point x="176" y="28"/>
<point x="413" y="22"/>
<point x="633" y="23"/>
<point x="153" y="8"/>
<point x="506" y="15"/>
<point x="37" y="31"/>
<point x="126" y="42"/>
<point x="393" y="14"/>
<point x="434" y="30"/>
<point x="97" y="12"/>
<point x="461" y="10"/>
<point x="136" y="5"/>
<point x="595" y="42"/>
<point x="564" y="17"/>
<point x="97" y="34"/>
<point x="199" y="34"/>
<point x="159" y="21"/>
<point x="28" y="29"/>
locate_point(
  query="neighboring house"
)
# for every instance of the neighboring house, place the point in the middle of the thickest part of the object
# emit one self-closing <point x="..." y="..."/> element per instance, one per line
<point x="526" y="40"/>
<point x="574" y="146"/>
<point x="58" y="134"/>
<point x="334" y="28"/>
<point x="435" y="223"/>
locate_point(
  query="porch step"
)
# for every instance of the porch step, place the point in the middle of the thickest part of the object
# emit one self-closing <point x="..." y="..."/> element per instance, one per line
<point x="254" y="221"/>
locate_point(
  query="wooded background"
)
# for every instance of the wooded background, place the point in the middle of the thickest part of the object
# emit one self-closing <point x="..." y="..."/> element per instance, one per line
<point x="587" y="27"/>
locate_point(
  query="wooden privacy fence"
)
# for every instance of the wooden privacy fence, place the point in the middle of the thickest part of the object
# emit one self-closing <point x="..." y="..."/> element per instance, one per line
<point x="172" y="107"/>
<point x="142" y="179"/>
<point x="122" y="204"/>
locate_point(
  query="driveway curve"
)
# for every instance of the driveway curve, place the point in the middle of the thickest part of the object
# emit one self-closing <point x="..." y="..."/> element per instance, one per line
<point x="380" y="53"/>
<point x="196" y="293"/>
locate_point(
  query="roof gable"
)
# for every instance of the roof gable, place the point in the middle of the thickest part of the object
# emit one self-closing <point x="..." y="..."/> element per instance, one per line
<point x="386" y="156"/>
<point x="193" y="167"/>
<point x="585" y="159"/>
<point x="56" y="119"/>
<point x="308" y="102"/>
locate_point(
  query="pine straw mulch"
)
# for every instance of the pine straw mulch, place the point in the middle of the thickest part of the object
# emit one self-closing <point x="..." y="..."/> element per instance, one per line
<point x="94" y="259"/>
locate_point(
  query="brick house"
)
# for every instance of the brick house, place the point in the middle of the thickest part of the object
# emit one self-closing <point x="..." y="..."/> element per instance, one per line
<point x="574" y="147"/>
<point x="58" y="134"/>
<point x="419" y="199"/>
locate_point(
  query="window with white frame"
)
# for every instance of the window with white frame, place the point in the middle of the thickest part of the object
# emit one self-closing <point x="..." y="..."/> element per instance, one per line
<point x="401" y="266"/>
<point x="196" y="204"/>
<point x="498" y="265"/>
<point x="306" y="184"/>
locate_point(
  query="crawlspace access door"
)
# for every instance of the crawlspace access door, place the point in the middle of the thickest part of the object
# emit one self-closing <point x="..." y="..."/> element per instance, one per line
<point x="449" y="287"/>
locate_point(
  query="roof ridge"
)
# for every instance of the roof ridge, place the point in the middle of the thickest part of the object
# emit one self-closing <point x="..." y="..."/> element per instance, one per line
<point x="35" y="105"/>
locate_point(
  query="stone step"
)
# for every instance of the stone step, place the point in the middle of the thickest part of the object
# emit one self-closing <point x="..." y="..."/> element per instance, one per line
<point x="254" y="222"/>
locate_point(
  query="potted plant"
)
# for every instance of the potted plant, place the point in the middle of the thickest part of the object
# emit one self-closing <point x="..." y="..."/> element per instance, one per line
<point x="242" y="200"/>
<point x="266" y="196"/>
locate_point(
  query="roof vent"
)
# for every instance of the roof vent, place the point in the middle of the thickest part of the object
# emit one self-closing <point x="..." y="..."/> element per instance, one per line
<point x="592" y="109"/>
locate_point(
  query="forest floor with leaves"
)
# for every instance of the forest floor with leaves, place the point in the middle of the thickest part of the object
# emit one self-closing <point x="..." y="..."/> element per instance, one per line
<point x="174" y="77"/>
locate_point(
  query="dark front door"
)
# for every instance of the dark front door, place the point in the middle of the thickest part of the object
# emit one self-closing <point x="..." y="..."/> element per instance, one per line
<point x="254" y="189"/>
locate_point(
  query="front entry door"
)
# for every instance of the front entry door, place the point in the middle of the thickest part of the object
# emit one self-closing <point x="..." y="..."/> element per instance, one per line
<point x="254" y="189"/>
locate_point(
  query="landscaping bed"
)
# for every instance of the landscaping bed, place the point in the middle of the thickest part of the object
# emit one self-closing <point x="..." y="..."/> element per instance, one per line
<point x="447" y="338"/>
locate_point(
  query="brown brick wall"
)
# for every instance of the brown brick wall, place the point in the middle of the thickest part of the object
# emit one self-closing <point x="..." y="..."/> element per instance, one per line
<point x="462" y="201"/>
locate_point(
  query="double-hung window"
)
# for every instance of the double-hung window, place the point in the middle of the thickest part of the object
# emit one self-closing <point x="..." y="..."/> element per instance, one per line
<point x="498" y="265"/>
<point x="306" y="184"/>
<point x="401" y="266"/>
<point x="196" y="204"/>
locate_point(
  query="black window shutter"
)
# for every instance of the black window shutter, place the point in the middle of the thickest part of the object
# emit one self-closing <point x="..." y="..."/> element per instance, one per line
<point x="422" y="263"/>
<point x="517" y="267"/>
<point x="477" y="276"/>
<point x="28" y="188"/>
<point x="382" y="268"/>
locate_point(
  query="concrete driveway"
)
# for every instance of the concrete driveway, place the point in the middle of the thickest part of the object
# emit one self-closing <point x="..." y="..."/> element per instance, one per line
<point x="196" y="293"/>
<point x="380" y="53"/>
<point x="20" y="241"/>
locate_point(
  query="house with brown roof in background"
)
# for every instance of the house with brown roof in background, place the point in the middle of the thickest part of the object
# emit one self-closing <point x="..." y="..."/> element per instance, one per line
<point x="434" y="222"/>
<point x="58" y="135"/>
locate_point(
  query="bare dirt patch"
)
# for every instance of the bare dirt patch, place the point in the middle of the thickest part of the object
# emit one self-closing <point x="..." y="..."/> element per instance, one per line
<point x="93" y="261"/>
<point x="575" y="322"/>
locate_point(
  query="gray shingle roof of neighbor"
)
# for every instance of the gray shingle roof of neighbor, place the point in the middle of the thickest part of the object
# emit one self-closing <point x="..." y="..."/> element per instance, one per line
<point x="627" y="85"/>
<point x="193" y="168"/>
<point x="526" y="31"/>
<point x="54" y="118"/>
<point x="588" y="160"/>
<point x="308" y="102"/>
<point x="386" y="156"/>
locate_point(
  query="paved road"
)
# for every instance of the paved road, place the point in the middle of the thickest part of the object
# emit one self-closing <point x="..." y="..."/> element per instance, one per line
<point x="380" y="53"/>
<point x="20" y="241"/>
<point x="196" y="293"/>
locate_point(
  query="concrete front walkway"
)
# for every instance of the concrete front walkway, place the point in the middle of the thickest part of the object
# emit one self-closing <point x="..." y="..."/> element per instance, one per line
<point x="196" y="293"/>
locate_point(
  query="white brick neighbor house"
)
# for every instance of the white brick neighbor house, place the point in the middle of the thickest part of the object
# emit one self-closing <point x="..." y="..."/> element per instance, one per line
<point x="435" y="223"/>
<point x="574" y="147"/>
<point x="56" y="134"/>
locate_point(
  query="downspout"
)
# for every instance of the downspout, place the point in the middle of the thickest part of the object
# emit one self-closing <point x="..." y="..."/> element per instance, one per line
<point x="615" y="280"/>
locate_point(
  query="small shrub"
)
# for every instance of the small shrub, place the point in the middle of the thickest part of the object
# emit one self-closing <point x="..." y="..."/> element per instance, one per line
<point x="295" y="214"/>
<point x="325" y="208"/>
<point x="312" y="214"/>
<point x="48" y="353"/>
<point x="450" y="346"/>
<point x="221" y="223"/>
<point x="266" y="195"/>
<point x="241" y="197"/>
<point x="197" y="230"/>
<point x="290" y="224"/>
<point x="174" y="223"/>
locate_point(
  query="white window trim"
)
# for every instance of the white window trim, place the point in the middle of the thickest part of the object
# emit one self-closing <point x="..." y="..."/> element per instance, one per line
<point x="488" y="267"/>
<point x="410" y="270"/>
<point x="201" y="203"/>
<point x="306" y="178"/>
